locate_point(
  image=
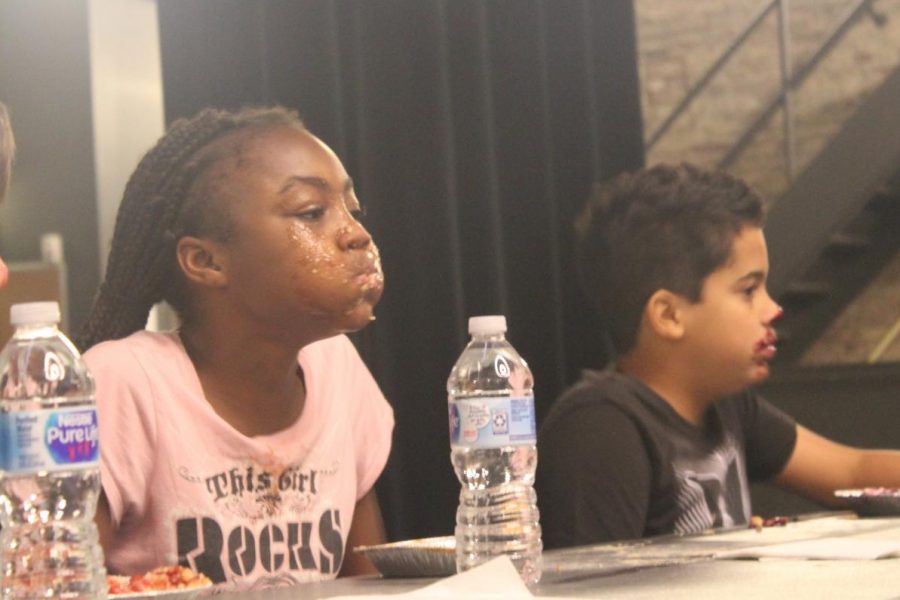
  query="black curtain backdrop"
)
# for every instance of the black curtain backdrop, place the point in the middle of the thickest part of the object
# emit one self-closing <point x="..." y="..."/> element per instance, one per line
<point x="473" y="130"/>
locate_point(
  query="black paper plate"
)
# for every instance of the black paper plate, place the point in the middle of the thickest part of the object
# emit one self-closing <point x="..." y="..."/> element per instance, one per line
<point x="872" y="502"/>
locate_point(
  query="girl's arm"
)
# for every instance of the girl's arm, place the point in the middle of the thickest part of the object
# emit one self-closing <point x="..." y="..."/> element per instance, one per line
<point x="103" y="519"/>
<point x="366" y="529"/>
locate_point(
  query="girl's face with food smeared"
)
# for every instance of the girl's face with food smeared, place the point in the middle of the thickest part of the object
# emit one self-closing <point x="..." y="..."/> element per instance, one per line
<point x="297" y="252"/>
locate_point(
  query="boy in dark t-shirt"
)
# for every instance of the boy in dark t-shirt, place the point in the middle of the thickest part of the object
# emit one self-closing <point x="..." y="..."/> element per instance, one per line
<point x="666" y="439"/>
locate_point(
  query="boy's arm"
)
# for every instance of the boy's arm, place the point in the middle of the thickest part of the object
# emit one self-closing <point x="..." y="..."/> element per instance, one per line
<point x="819" y="466"/>
<point x="367" y="529"/>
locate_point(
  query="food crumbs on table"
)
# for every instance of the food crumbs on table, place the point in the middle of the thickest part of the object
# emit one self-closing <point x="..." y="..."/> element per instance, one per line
<point x="758" y="523"/>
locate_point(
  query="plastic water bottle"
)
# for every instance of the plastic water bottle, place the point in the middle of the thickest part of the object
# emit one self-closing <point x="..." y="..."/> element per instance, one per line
<point x="49" y="463"/>
<point x="493" y="450"/>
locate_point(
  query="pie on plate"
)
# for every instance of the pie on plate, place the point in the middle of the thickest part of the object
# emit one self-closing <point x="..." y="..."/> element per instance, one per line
<point x="872" y="501"/>
<point x="159" y="581"/>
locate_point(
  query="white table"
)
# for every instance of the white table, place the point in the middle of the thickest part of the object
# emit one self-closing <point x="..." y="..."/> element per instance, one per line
<point x="675" y="568"/>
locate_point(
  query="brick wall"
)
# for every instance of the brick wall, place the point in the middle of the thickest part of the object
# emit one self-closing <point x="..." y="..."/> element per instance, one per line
<point x="679" y="39"/>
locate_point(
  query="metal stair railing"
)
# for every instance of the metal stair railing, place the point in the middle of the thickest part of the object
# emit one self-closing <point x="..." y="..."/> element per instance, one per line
<point x="789" y="82"/>
<point x="709" y="74"/>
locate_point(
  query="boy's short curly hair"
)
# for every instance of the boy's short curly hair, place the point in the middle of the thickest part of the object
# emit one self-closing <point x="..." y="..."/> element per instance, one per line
<point x="664" y="227"/>
<point x="7" y="150"/>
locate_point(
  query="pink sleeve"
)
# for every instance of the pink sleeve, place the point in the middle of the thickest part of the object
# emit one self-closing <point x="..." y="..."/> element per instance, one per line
<point x="373" y="423"/>
<point x="127" y="421"/>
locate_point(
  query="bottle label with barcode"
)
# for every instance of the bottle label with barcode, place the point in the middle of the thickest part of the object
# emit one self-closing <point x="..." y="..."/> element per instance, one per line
<point x="492" y="422"/>
<point x="49" y="439"/>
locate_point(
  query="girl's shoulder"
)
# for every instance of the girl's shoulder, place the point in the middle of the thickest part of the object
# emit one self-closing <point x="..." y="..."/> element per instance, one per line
<point x="142" y="347"/>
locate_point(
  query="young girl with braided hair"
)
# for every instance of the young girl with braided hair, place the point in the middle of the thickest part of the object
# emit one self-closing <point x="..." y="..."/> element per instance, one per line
<point x="245" y="445"/>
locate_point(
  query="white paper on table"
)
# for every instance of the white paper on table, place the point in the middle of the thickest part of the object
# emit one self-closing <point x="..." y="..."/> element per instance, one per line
<point x="821" y="549"/>
<point x="495" y="579"/>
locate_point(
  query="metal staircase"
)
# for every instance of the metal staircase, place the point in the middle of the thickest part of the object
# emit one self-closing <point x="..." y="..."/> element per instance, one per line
<point x="838" y="222"/>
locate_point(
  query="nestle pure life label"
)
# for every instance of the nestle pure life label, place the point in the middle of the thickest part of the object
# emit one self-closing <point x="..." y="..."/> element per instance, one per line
<point x="49" y="440"/>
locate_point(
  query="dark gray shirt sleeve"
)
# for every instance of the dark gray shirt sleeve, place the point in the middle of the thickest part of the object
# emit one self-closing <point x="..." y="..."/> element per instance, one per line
<point x="770" y="437"/>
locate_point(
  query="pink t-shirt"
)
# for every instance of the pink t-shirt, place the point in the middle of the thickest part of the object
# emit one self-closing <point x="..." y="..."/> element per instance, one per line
<point x="185" y="487"/>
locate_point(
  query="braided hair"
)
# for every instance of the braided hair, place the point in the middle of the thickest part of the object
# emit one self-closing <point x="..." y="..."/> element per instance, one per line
<point x="162" y="203"/>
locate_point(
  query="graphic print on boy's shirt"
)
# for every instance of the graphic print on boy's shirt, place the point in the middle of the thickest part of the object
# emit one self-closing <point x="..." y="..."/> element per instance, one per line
<point x="712" y="490"/>
<point x="246" y="531"/>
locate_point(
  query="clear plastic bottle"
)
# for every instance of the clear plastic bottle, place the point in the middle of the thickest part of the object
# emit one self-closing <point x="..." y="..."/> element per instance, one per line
<point x="49" y="464"/>
<point x="494" y="453"/>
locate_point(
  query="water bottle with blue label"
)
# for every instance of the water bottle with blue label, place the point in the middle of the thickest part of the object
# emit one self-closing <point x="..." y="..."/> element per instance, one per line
<point x="49" y="463"/>
<point x="493" y="450"/>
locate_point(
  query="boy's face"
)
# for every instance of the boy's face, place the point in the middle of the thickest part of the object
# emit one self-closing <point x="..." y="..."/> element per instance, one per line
<point x="729" y="332"/>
